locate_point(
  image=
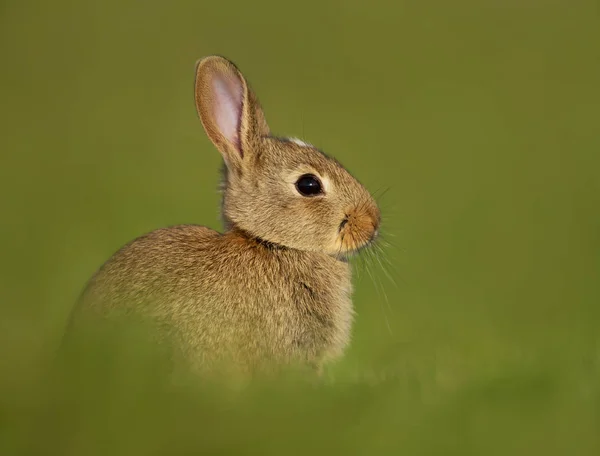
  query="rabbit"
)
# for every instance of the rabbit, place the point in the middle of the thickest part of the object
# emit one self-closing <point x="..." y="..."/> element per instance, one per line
<point x="275" y="288"/>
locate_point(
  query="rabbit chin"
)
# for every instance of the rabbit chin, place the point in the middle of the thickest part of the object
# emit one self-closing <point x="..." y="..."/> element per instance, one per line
<point x="345" y="254"/>
<point x="345" y="248"/>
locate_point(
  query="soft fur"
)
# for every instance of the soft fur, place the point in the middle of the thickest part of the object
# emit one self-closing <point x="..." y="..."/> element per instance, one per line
<point x="275" y="288"/>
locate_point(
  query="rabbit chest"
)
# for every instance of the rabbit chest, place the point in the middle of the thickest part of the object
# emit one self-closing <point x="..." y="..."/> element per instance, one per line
<point x="272" y="304"/>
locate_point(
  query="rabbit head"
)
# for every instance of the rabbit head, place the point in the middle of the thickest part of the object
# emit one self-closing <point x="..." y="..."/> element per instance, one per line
<point x="282" y="191"/>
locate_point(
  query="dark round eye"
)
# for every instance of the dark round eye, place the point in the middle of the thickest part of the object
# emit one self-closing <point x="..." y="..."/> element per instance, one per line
<point x="309" y="185"/>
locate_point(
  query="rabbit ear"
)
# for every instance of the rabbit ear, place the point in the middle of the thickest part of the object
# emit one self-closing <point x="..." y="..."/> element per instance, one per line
<point x="228" y="109"/>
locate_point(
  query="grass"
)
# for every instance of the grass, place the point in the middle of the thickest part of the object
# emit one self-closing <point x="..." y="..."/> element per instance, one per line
<point x="479" y="118"/>
<point x="120" y="404"/>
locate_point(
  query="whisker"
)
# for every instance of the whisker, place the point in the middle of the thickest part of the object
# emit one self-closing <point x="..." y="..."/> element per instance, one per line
<point x="384" y="268"/>
<point x="380" y="290"/>
<point x="381" y="195"/>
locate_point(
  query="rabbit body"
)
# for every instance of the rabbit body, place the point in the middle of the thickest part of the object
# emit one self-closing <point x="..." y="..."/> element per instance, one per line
<point x="285" y="305"/>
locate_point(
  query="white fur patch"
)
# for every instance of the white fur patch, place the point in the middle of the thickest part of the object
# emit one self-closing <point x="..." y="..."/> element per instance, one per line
<point x="299" y="142"/>
<point x="326" y="183"/>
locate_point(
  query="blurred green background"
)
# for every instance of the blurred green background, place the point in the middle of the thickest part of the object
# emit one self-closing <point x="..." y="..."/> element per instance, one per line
<point x="480" y="118"/>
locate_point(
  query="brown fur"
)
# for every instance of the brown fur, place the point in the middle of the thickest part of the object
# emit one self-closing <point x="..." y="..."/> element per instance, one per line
<point x="275" y="288"/>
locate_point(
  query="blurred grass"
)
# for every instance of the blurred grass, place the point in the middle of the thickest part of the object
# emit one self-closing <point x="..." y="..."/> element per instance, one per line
<point x="481" y="118"/>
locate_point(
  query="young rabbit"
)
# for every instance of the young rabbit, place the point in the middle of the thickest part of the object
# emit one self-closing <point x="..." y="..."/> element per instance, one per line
<point x="275" y="288"/>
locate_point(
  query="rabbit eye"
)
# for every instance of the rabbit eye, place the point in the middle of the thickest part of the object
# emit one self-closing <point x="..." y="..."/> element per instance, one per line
<point x="309" y="185"/>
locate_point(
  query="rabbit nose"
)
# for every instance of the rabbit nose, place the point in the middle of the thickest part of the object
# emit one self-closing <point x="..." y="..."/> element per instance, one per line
<point x="375" y="231"/>
<point x="375" y="234"/>
<point x="375" y="216"/>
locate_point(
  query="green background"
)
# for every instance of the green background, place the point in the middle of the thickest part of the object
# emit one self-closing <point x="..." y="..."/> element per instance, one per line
<point x="481" y="119"/>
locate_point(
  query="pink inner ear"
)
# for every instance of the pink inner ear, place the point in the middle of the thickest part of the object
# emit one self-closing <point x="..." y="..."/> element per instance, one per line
<point x="227" y="107"/>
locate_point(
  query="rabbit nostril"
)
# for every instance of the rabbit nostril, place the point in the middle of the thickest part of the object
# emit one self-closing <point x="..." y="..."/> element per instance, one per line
<point x="343" y="224"/>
